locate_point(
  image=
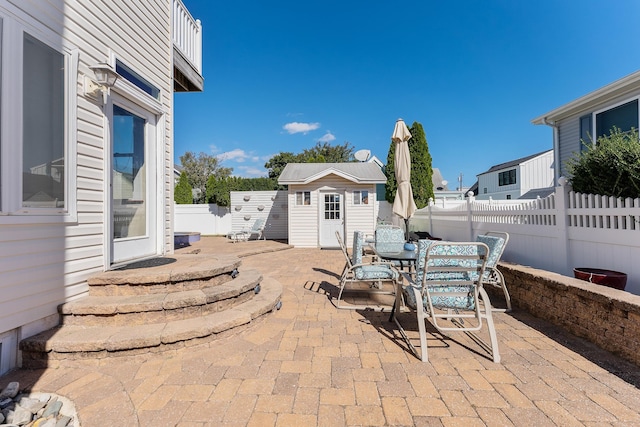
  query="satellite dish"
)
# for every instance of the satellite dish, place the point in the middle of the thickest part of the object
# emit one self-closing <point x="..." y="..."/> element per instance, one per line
<point x="362" y="155"/>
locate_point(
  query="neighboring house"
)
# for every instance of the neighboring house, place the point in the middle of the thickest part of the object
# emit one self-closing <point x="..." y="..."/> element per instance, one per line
<point x="592" y="116"/>
<point x="512" y="179"/>
<point x="86" y="169"/>
<point x="327" y="197"/>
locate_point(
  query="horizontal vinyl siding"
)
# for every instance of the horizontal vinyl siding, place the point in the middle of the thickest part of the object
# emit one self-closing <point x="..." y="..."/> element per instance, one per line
<point x="569" y="128"/>
<point x="43" y="265"/>
<point x="304" y="220"/>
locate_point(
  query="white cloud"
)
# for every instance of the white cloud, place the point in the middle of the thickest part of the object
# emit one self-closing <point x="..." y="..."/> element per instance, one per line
<point x="328" y="137"/>
<point x="297" y="127"/>
<point x="236" y="155"/>
<point x="252" y="172"/>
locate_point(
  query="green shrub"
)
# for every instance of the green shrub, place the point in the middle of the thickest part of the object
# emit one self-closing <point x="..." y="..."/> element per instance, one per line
<point x="610" y="168"/>
<point x="182" y="193"/>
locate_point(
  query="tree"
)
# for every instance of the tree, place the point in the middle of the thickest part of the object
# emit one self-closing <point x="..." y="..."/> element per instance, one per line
<point x="199" y="168"/>
<point x="183" y="194"/>
<point x="320" y="153"/>
<point x="609" y="168"/>
<point x="421" y="168"/>
<point x="327" y="153"/>
<point x="218" y="189"/>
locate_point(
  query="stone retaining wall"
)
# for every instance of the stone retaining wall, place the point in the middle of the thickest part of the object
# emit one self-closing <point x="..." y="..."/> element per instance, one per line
<point x="608" y="317"/>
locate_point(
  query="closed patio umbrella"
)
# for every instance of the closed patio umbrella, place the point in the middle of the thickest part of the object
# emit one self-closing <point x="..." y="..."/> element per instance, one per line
<point x="403" y="205"/>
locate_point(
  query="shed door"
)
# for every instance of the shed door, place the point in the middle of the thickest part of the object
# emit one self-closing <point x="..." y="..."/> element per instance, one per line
<point x="331" y="219"/>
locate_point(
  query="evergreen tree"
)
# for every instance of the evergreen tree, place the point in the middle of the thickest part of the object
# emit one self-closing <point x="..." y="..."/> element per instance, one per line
<point x="183" y="194"/>
<point x="421" y="168"/>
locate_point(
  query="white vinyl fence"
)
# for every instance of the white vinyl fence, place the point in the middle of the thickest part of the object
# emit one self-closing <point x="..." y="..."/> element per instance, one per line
<point x="557" y="233"/>
<point x="246" y="207"/>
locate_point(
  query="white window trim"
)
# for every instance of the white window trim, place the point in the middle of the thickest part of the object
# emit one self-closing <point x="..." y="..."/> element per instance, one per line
<point x="303" y="193"/>
<point x="12" y="212"/>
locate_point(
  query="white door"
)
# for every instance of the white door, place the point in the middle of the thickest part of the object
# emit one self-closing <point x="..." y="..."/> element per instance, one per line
<point x="133" y="195"/>
<point x="331" y="219"/>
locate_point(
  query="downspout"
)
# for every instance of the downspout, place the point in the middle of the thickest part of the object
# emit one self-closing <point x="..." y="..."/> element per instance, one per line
<point x="556" y="150"/>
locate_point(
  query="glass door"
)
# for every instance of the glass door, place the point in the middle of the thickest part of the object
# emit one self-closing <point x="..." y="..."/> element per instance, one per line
<point x="133" y="212"/>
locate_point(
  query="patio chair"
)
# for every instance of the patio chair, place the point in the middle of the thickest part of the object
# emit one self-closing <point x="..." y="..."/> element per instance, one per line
<point x="356" y="271"/>
<point x="390" y="238"/>
<point x="447" y="289"/>
<point x="497" y="242"/>
<point x="257" y="229"/>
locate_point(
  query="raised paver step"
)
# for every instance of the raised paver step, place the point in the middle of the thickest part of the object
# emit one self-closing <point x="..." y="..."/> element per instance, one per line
<point x="158" y="308"/>
<point x="78" y="342"/>
<point x="176" y="273"/>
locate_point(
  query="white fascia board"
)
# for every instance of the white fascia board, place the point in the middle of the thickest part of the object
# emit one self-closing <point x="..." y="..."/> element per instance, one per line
<point x="617" y="88"/>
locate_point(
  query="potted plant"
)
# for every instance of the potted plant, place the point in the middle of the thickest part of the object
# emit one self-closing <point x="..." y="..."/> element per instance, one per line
<point x="611" y="167"/>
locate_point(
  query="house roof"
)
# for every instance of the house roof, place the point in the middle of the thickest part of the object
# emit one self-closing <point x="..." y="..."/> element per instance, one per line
<point x="304" y="173"/>
<point x="538" y="192"/>
<point x="591" y="100"/>
<point x="514" y="162"/>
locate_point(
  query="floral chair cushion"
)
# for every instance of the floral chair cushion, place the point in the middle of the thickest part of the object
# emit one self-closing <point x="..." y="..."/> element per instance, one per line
<point x="368" y="272"/>
<point x="461" y="295"/>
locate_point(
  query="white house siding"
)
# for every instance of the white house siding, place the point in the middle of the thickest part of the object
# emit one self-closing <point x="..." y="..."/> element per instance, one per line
<point x="43" y="264"/>
<point x="304" y="220"/>
<point x="536" y="173"/>
<point x="247" y="206"/>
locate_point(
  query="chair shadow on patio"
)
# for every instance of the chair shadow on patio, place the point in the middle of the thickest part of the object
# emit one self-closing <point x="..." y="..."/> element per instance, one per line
<point x="438" y="342"/>
<point x="373" y="302"/>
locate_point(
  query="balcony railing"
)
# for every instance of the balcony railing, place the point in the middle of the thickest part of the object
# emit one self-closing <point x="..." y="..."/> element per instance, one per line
<point x="187" y="42"/>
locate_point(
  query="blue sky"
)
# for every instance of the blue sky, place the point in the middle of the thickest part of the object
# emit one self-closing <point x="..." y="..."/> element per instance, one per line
<point x="281" y="76"/>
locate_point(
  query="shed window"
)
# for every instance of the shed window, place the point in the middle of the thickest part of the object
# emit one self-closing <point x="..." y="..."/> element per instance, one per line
<point x="585" y="132"/>
<point x="361" y="197"/>
<point x="303" y="198"/>
<point x="507" y="177"/>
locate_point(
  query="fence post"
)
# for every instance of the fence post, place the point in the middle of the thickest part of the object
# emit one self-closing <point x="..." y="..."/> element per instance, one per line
<point x="562" y="222"/>
<point x="430" y="204"/>
<point x="470" y="200"/>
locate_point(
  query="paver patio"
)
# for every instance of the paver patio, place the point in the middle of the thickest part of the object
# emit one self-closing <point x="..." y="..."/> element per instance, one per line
<point x="310" y="364"/>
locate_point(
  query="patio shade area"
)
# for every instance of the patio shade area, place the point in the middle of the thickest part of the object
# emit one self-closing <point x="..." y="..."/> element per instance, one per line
<point x="311" y="364"/>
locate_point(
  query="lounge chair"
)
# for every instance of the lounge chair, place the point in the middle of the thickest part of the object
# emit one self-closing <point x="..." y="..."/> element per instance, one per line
<point x="257" y="229"/>
<point x="497" y="242"/>
<point x="356" y="271"/>
<point x="447" y="289"/>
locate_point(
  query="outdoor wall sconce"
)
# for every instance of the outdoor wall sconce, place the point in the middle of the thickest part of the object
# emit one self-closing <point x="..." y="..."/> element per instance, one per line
<point x="105" y="78"/>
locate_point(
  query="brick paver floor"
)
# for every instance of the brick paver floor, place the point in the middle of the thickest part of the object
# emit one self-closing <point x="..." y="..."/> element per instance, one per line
<point x="310" y="364"/>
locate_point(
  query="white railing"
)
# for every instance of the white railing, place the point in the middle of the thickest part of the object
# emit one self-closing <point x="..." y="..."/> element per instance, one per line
<point x="187" y="35"/>
<point x="557" y="233"/>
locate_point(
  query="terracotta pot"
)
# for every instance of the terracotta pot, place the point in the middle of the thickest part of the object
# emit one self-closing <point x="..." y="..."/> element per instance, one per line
<point x="610" y="278"/>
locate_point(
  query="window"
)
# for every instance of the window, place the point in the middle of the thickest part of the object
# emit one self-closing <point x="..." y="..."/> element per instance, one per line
<point x="507" y="177"/>
<point x="37" y="155"/>
<point x="585" y="132"/>
<point x="43" y="159"/>
<point x="508" y="196"/>
<point x="485" y="190"/>
<point x="303" y="198"/>
<point x="623" y="116"/>
<point x="135" y="78"/>
<point x="361" y="197"/>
